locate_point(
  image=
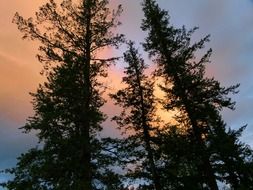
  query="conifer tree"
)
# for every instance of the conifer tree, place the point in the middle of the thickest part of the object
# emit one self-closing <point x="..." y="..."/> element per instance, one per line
<point x="198" y="99"/>
<point x="233" y="160"/>
<point x="67" y="116"/>
<point x="138" y="118"/>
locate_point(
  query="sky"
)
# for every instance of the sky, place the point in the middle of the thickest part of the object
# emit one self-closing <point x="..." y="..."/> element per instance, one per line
<point x="229" y="22"/>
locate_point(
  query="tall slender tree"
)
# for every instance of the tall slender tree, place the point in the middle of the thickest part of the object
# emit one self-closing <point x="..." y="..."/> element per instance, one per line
<point x="138" y="117"/>
<point x="67" y="106"/>
<point x="198" y="99"/>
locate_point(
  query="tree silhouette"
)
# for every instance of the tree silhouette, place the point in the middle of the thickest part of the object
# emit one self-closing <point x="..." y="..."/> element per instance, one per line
<point x="138" y="117"/>
<point x="198" y="99"/>
<point x="67" y="115"/>
<point x="195" y="151"/>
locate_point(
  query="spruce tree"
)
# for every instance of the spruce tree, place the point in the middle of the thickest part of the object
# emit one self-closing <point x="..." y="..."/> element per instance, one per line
<point x="138" y="119"/>
<point x="198" y="99"/>
<point x="179" y="168"/>
<point x="67" y="116"/>
<point x="233" y="160"/>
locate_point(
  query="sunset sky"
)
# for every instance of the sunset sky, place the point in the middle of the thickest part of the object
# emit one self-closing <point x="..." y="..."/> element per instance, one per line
<point x="230" y="23"/>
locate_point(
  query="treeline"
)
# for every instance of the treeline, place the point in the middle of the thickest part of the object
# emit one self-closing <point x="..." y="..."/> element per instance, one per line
<point x="196" y="150"/>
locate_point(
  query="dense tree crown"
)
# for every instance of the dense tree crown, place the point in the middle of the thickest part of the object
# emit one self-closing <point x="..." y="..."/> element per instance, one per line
<point x="196" y="150"/>
<point x="67" y="106"/>
<point x="198" y="99"/>
<point x="138" y="117"/>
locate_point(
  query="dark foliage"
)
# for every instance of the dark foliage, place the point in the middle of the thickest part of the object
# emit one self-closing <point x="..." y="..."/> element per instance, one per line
<point x="194" y="151"/>
<point x="138" y="118"/>
<point x="198" y="99"/>
<point x="67" y="106"/>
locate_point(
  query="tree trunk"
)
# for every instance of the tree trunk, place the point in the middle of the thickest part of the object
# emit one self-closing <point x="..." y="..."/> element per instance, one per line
<point x="198" y="136"/>
<point x="207" y="168"/>
<point x="86" y="175"/>
<point x="155" y="176"/>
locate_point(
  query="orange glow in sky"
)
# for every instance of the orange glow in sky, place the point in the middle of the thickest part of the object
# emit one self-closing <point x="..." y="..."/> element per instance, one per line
<point x="230" y="26"/>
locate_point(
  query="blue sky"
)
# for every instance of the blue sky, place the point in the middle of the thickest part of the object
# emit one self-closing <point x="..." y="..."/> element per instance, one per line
<point x="230" y="23"/>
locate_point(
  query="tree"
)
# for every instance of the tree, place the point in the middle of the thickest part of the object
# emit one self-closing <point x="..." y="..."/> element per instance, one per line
<point x="179" y="169"/>
<point x="198" y="99"/>
<point x="67" y="115"/>
<point x="233" y="160"/>
<point x="138" y="118"/>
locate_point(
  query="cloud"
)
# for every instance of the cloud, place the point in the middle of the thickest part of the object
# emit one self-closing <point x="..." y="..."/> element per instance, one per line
<point x="16" y="81"/>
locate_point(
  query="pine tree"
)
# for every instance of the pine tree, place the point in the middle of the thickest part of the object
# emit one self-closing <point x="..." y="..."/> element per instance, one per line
<point x="198" y="99"/>
<point x="138" y="118"/>
<point x="179" y="168"/>
<point x="233" y="160"/>
<point x="67" y="116"/>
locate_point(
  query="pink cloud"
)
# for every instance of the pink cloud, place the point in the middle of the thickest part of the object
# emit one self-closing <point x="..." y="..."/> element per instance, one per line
<point x="16" y="81"/>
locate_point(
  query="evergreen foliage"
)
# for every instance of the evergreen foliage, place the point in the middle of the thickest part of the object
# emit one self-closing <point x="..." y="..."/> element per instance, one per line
<point x="138" y="118"/>
<point x="196" y="150"/>
<point x="198" y="99"/>
<point x="67" y="115"/>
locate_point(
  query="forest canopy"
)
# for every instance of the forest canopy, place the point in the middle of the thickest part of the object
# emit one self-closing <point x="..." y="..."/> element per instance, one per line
<point x="192" y="148"/>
